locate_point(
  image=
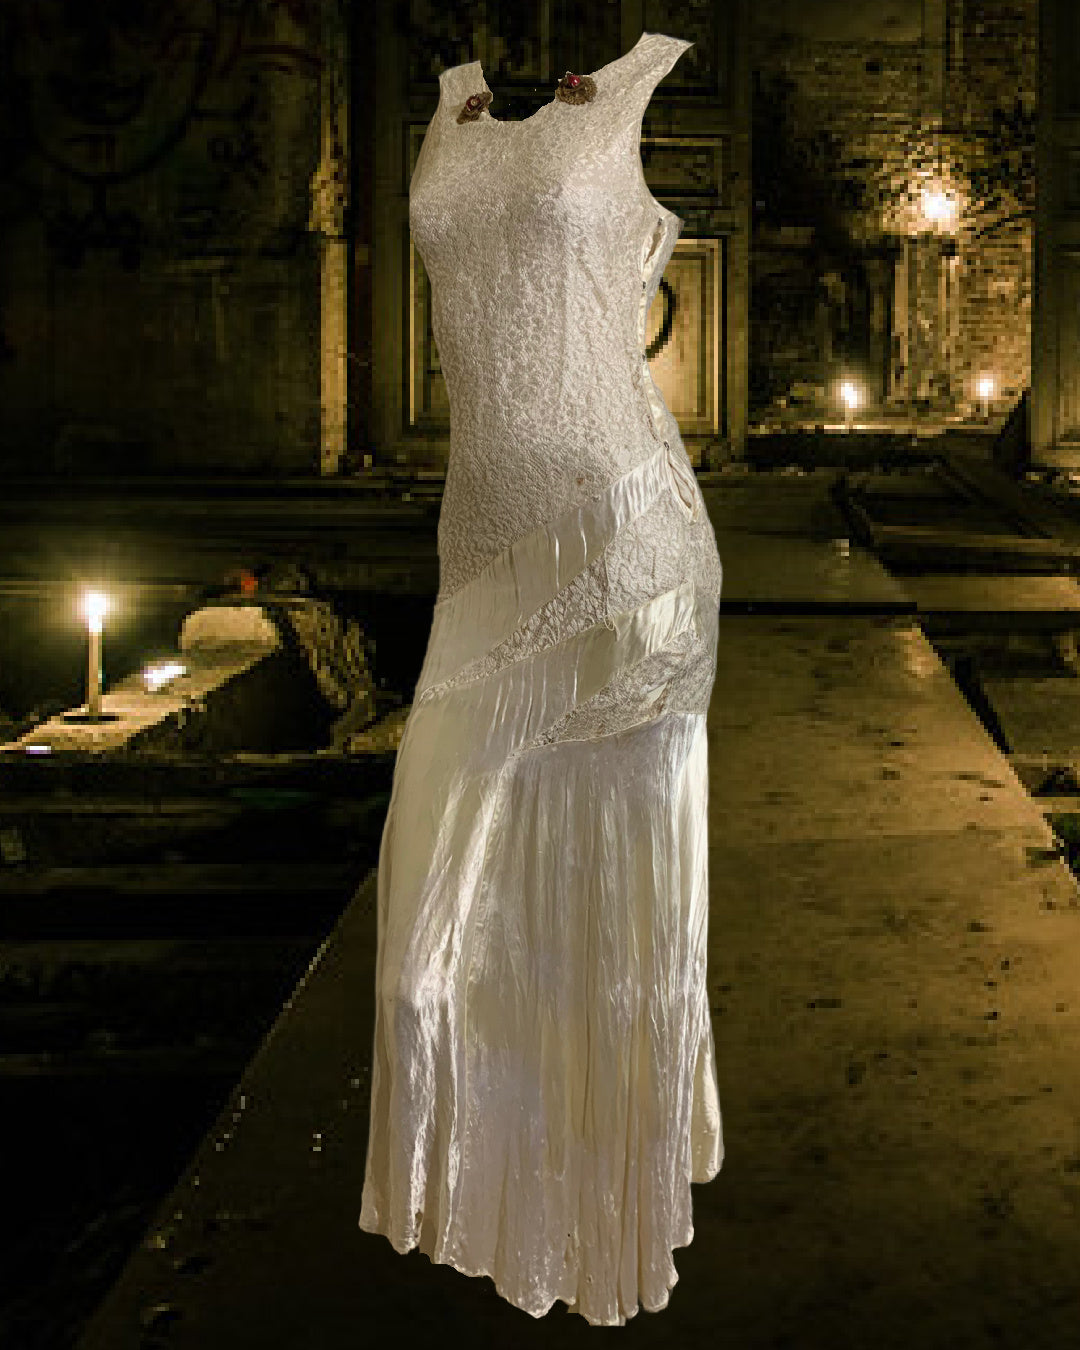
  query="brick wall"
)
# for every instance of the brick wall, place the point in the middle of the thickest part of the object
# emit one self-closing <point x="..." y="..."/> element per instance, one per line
<point x="846" y="135"/>
<point x="995" y="96"/>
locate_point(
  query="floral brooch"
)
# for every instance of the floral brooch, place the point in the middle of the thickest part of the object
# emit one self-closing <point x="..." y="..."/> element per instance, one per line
<point x="576" y="88"/>
<point x="571" y="89"/>
<point x="474" y="106"/>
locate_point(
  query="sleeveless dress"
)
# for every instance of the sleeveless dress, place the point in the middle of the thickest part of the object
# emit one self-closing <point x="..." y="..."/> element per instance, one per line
<point x="544" y="1084"/>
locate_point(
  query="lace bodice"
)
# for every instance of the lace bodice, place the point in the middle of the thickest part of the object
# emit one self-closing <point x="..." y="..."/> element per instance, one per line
<point x="544" y="249"/>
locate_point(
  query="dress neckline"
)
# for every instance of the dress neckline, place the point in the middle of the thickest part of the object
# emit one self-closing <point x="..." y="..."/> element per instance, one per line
<point x="521" y="121"/>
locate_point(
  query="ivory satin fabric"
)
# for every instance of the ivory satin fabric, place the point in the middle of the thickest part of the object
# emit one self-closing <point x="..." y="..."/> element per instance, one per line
<point x="544" y="1084"/>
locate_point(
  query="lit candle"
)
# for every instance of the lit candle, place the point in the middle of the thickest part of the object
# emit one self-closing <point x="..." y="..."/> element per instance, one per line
<point x="158" y="676"/>
<point x="986" y="390"/>
<point x="850" y="394"/>
<point x="94" y="606"/>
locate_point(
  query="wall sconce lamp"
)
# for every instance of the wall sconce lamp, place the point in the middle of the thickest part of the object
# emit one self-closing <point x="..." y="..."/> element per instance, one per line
<point x="939" y="209"/>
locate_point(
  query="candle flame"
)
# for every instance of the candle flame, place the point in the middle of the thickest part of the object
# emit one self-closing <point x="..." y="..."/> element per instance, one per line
<point x="94" y="606"/>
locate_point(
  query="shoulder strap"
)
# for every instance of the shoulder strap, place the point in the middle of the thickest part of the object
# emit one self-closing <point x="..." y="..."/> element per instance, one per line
<point x="650" y="61"/>
<point x="456" y="83"/>
<point x="639" y="71"/>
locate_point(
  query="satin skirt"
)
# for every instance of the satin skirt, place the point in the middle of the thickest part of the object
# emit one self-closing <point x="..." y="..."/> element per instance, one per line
<point x="544" y="1086"/>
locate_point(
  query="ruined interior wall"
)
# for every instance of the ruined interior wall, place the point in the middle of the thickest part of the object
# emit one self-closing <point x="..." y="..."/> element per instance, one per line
<point x="159" y="283"/>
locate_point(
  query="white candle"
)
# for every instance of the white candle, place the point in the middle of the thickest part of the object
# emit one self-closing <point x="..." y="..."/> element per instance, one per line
<point x="986" y="391"/>
<point x="850" y="394"/>
<point x="93" y="684"/>
<point x="94" y="606"/>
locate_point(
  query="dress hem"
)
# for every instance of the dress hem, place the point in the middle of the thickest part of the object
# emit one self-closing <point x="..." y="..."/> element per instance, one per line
<point x="403" y="1250"/>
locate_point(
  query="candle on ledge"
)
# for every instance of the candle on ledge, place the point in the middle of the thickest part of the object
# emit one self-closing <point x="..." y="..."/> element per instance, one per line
<point x="94" y="606"/>
<point x="986" y="393"/>
<point x="849" y="392"/>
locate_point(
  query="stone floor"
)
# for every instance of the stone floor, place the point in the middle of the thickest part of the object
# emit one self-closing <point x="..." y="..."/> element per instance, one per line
<point x="894" y="961"/>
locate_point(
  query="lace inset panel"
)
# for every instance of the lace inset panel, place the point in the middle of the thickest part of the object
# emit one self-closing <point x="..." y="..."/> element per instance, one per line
<point x="678" y="679"/>
<point x="637" y="565"/>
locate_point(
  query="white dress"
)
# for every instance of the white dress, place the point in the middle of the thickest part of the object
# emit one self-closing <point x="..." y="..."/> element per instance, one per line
<point x="544" y="1083"/>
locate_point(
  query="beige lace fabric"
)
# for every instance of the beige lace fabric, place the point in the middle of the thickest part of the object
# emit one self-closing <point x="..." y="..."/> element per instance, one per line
<point x="544" y="1084"/>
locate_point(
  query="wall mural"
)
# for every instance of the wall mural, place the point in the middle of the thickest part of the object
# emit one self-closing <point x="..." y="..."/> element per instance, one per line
<point x="98" y="96"/>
